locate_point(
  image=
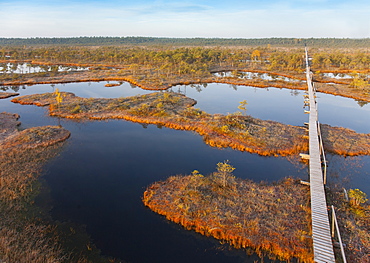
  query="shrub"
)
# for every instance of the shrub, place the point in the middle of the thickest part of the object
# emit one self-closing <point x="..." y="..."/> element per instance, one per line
<point x="357" y="196"/>
<point x="224" y="176"/>
<point x="76" y="109"/>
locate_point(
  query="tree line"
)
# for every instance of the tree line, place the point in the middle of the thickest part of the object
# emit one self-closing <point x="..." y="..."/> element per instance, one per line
<point x="182" y="60"/>
<point x="152" y="41"/>
<point x="190" y="60"/>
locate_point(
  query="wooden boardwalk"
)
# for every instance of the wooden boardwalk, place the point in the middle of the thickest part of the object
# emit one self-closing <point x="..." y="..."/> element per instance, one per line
<point x="322" y="242"/>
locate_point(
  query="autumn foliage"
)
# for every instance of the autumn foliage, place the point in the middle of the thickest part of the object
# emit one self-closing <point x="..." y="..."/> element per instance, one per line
<point x="273" y="219"/>
<point x="345" y="141"/>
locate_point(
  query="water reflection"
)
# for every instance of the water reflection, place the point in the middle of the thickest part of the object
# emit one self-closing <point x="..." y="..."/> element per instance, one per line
<point x="349" y="172"/>
<point x="336" y="75"/>
<point x="99" y="179"/>
<point x="344" y="112"/>
<point x="343" y="75"/>
<point x="282" y="105"/>
<point x="253" y="75"/>
<point x="24" y="68"/>
<point x="106" y="176"/>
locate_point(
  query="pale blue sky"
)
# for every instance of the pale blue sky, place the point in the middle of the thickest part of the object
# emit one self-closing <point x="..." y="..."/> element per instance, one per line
<point x="187" y="18"/>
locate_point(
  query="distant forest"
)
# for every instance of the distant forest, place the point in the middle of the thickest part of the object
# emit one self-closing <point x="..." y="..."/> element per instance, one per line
<point x="150" y="41"/>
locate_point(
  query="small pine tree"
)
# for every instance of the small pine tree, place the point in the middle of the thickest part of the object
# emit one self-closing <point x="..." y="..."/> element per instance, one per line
<point x="58" y="96"/>
<point x="357" y="196"/>
<point x="224" y="173"/>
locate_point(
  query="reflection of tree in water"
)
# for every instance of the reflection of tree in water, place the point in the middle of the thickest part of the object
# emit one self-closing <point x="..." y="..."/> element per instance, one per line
<point x="234" y="87"/>
<point x="274" y="77"/>
<point x="3" y="68"/>
<point x="197" y="87"/>
<point x="298" y="164"/>
<point x="30" y="68"/>
<point x="362" y="103"/>
<point x="294" y="92"/>
<point x="14" y="88"/>
<point x="342" y="170"/>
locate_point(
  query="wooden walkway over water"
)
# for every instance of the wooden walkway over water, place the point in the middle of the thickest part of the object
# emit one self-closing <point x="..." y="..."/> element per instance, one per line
<point x="322" y="242"/>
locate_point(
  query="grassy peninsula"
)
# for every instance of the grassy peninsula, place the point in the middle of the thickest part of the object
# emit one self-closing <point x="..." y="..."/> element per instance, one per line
<point x="27" y="233"/>
<point x="272" y="220"/>
<point x="25" y="237"/>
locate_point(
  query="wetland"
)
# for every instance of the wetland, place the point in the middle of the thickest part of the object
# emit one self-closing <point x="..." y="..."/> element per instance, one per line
<point x="119" y="148"/>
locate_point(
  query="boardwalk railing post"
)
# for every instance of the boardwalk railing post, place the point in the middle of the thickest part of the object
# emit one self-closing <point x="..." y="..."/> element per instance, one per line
<point x="332" y="222"/>
<point x="322" y="151"/>
<point x="345" y="194"/>
<point x="339" y="237"/>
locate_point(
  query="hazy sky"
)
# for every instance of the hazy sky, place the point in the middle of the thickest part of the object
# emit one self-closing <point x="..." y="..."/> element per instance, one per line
<point x="186" y="18"/>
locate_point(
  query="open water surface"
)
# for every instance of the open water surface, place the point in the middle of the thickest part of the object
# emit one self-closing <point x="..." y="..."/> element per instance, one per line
<point x="23" y="68"/>
<point x="100" y="176"/>
<point x="253" y="75"/>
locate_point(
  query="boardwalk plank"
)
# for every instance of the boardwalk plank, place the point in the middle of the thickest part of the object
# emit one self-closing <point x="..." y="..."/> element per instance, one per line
<point x="322" y="242"/>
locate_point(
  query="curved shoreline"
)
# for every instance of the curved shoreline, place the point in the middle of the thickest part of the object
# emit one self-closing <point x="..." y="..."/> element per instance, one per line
<point x="341" y="91"/>
<point x="26" y="235"/>
<point x="270" y="219"/>
<point x="175" y="111"/>
<point x="149" y="82"/>
<point x="244" y="133"/>
<point x="5" y="95"/>
<point x="336" y="91"/>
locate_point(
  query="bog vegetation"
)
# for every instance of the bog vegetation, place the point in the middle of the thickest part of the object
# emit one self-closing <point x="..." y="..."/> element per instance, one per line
<point x="353" y="214"/>
<point x="27" y="234"/>
<point x="160" y="67"/>
<point x="273" y="220"/>
<point x="24" y="237"/>
<point x="185" y="59"/>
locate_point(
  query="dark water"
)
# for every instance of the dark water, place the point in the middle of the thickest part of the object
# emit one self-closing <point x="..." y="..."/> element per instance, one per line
<point x="99" y="178"/>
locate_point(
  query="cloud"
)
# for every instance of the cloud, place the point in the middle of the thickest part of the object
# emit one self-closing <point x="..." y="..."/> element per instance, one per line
<point x="181" y="19"/>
